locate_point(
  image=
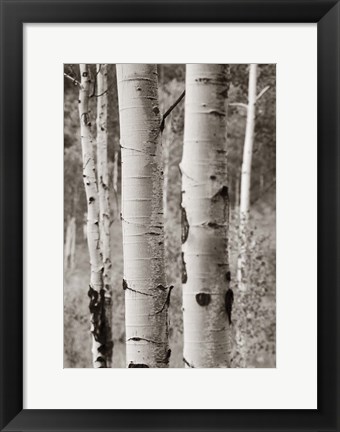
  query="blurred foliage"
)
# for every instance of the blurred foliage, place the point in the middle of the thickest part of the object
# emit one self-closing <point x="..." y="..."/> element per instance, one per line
<point x="254" y="313"/>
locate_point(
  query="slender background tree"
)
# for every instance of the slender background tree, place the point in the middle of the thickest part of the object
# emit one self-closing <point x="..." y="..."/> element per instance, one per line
<point x="104" y="196"/>
<point x="101" y="351"/>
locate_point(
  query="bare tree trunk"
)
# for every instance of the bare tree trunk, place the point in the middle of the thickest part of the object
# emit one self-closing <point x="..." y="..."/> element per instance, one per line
<point x="246" y="181"/>
<point x="100" y="350"/>
<point x="146" y="295"/>
<point x="73" y="243"/>
<point x="85" y="227"/>
<point x="165" y="161"/>
<point x="115" y="184"/>
<point x="70" y="244"/>
<point x="207" y="298"/>
<point x="104" y="199"/>
<point x="237" y="192"/>
<point x="243" y="266"/>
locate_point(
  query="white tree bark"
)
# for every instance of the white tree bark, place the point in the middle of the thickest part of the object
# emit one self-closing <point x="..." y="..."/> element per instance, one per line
<point x="115" y="184"/>
<point x="70" y="244"/>
<point x="85" y="227"/>
<point x="146" y="295"/>
<point x="207" y="298"/>
<point x="246" y="181"/>
<point x="104" y="199"/>
<point x="100" y="351"/>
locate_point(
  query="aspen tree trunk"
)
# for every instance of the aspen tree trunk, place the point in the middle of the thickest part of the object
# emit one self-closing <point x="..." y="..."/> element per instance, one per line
<point x="237" y="192"/>
<point x="165" y="161"/>
<point x="241" y="333"/>
<point x="246" y="181"/>
<point x="104" y="199"/>
<point x="73" y="242"/>
<point x="146" y="295"/>
<point x="68" y="244"/>
<point x="100" y="350"/>
<point x="85" y="227"/>
<point x="207" y="298"/>
<point x="115" y="183"/>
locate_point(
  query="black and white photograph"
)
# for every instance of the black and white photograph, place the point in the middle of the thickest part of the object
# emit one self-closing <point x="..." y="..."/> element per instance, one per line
<point x="169" y="216"/>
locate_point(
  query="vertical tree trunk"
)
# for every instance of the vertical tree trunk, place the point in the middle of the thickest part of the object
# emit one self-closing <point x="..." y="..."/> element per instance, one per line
<point x="165" y="161"/>
<point x="243" y="266"/>
<point x="246" y="181"/>
<point x="237" y="192"/>
<point x="73" y="243"/>
<point x="100" y="351"/>
<point x="207" y="298"/>
<point x="70" y="244"/>
<point x="115" y="184"/>
<point x="85" y="227"/>
<point x="104" y="199"/>
<point x="146" y="295"/>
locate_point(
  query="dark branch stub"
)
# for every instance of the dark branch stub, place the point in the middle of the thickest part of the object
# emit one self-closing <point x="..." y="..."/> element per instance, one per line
<point x="173" y="106"/>
<point x="188" y="364"/>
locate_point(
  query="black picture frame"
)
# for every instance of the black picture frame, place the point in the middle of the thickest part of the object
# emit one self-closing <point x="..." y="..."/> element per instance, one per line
<point x="13" y="14"/>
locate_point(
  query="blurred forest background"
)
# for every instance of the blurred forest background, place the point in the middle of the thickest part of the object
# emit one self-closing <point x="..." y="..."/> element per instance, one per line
<point x="259" y="320"/>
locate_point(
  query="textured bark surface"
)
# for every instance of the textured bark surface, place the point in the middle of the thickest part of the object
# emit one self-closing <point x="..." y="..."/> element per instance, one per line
<point x="146" y="295"/>
<point x="205" y="219"/>
<point x="245" y="181"/>
<point x="104" y="198"/>
<point x="101" y="351"/>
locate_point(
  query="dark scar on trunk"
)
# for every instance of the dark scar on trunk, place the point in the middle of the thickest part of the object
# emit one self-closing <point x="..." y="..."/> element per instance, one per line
<point x="229" y="300"/>
<point x="203" y="80"/>
<point x="185" y="225"/>
<point x="215" y="225"/>
<point x="126" y="287"/>
<point x="217" y="113"/>
<point x="166" y="359"/>
<point x="184" y="270"/>
<point x="102" y="362"/>
<point x="228" y="276"/>
<point x="100" y="324"/>
<point x="187" y="363"/>
<point x="137" y="365"/>
<point x="203" y="299"/>
<point x="167" y="301"/>
<point x="223" y="193"/>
